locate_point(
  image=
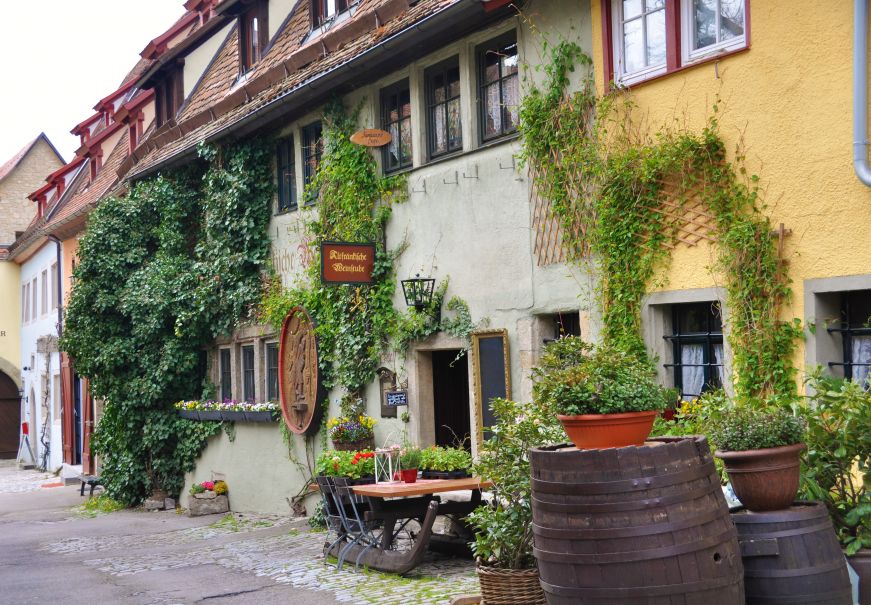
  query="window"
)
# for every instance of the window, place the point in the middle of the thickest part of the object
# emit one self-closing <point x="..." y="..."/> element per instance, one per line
<point x="312" y="148"/>
<point x="563" y="324"/>
<point x="443" y="108"/>
<point x="272" y="371"/>
<point x="248" y="392"/>
<point x="56" y="395"/>
<point x="55" y="298"/>
<point x="286" y="175"/>
<point x="253" y="35"/>
<point x="499" y="87"/>
<point x="33" y="299"/>
<point x="226" y="375"/>
<point x="44" y="285"/>
<point x="396" y="119"/>
<point x="653" y="37"/>
<point x="697" y="344"/>
<point x="855" y="330"/>
<point x="168" y="95"/>
<point x="324" y="10"/>
<point x="25" y="303"/>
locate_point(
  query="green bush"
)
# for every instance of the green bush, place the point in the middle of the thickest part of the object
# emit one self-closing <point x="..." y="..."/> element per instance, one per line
<point x="607" y="381"/>
<point x="445" y="459"/>
<point x="750" y="428"/>
<point x="837" y="469"/>
<point x="354" y="465"/>
<point x="410" y="457"/>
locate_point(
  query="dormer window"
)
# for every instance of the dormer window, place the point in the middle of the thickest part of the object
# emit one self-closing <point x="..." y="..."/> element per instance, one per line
<point x="253" y="35"/>
<point x="96" y="163"/>
<point x="168" y="95"/>
<point x="325" y="10"/>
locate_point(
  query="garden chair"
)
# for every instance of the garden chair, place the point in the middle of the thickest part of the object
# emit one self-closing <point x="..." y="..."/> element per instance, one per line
<point x="351" y="509"/>
<point x="331" y="512"/>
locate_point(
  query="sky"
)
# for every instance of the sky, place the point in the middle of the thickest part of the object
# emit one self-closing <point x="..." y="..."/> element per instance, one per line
<point x="60" y="57"/>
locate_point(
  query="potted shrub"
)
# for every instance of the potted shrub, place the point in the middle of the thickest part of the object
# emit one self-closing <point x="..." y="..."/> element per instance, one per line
<point x="760" y="450"/>
<point x="445" y="463"/>
<point x="604" y="398"/>
<point x="409" y="462"/>
<point x="359" y="466"/>
<point x="503" y="527"/>
<point x="352" y="433"/>
<point x="837" y="465"/>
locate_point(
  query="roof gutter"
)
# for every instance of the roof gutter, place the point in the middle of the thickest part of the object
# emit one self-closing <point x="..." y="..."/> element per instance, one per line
<point x="860" y="92"/>
<point x="470" y="14"/>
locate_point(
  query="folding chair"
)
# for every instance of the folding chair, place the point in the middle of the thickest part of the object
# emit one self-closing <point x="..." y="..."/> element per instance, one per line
<point x="331" y="512"/>
<point x="352" y="511"/>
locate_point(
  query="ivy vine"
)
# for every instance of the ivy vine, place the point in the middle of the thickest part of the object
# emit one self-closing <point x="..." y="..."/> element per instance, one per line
<point x="162" y="271"/>
<point x="606" y="179"/>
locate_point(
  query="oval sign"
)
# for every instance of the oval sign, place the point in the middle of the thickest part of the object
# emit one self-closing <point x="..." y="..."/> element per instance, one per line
<point x="299" y="383"/>
<point x="371" y="137"/>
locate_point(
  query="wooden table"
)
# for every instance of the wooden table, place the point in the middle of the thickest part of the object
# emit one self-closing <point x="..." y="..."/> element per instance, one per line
<point x="390" y="502"/>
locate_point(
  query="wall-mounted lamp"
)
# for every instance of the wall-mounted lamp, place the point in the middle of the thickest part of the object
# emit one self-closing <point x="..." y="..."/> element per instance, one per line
<point x="418" y="291"/>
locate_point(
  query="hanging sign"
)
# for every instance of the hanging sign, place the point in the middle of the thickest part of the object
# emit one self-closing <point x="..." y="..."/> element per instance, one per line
<point x="299" y="383"/>
<point x="396" y="398"/>
<point x="370" y="137"/>
<point x="347" y="263"/>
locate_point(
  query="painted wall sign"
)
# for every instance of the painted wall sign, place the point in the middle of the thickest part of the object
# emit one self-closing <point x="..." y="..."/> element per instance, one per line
<point x="396" y="398"/>
<point x="371" y="137"/>
<point x="299" y="383"/>
<point x="347" y="263"/>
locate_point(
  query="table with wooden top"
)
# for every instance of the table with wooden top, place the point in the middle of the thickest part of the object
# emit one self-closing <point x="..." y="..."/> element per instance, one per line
<point x="391" y="502"/>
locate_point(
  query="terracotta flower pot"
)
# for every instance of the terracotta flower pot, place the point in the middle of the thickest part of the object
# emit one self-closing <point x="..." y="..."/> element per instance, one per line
<point x="765" y="479"/>
<point x="409" y="475"/>
<point x="599" y="431"/>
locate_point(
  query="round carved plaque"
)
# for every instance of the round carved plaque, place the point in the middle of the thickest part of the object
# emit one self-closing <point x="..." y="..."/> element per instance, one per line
<point x="299" y="381"/>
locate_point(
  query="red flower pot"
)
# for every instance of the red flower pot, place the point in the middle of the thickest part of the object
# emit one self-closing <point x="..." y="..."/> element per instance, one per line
<point x="765" y="479"/>
<point x="409" y="475"/>
<point x="599" y="431"/>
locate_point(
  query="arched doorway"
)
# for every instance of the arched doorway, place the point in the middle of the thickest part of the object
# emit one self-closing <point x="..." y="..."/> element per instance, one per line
<point x="10" y="416"/>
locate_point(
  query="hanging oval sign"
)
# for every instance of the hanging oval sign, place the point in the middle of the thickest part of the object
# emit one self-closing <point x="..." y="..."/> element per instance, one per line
<point x="371" y="137"/>
<point x="299" y="383"/>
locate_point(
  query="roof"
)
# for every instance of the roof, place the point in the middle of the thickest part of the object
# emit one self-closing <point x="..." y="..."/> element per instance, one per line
<point x="290" y="64"/>
<point x="13" y="162"/>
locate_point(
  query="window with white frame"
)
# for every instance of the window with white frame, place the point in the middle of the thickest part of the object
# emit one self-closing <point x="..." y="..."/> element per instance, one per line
<point x="653" y="37"/>
<point x="44" y="285"/>
<point x="33" y="299"/>
<point x="55" y="299"/>
<point x="854" y="327"/>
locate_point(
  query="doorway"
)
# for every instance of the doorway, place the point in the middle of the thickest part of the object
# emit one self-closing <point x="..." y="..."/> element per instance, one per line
<point x="10" y="417"/>
<point x="77" y="419"/>
<point x="450" y="379"/>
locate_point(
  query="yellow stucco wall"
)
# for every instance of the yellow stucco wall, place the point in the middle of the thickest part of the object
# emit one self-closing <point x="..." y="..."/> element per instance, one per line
<point x="10" y="320"/>
<point x="790" y="95"/>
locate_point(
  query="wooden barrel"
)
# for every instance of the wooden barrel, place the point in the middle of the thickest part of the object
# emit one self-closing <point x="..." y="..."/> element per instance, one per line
<point x="644" y="524"/>
<point x="792" y="556"/>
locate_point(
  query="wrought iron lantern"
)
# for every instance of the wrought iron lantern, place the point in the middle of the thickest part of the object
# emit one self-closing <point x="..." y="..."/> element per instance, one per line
<point x="387" y="465"/>
<point x="418" y="291"/>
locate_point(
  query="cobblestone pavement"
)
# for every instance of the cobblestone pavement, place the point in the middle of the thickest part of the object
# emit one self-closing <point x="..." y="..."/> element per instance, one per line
<point x="15" y="480"/>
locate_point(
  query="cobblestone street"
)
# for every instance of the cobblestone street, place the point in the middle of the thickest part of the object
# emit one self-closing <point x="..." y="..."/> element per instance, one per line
<point x="164" y="558"/>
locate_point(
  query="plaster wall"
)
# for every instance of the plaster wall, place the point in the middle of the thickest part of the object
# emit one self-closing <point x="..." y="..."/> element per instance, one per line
<point x="10" y="319"/>
<point x="39" y="355"/>
<point x="278" y="12"/>
<point x="787" y="100"/>
<point x="196" y="62"/>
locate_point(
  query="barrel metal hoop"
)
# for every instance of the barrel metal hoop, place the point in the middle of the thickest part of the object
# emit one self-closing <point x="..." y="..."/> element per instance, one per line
<point x="636" y="555"/>
<point x="627" y="532"/>
<point x="845" y="595"/>
<point x="624" y="485"/>
<point x="801" y="510"/>
<point x="607" y="507"/>
<point x="786" y="533"/>
<point x="801" y="571"/>
<point x="640" y="591"/>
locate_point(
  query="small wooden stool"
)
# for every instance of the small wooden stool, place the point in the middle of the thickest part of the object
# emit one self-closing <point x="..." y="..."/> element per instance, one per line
<point x="91" y="480"/>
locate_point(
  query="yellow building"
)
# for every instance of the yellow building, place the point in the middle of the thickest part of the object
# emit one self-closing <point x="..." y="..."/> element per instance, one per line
<point x="785" y="93"/>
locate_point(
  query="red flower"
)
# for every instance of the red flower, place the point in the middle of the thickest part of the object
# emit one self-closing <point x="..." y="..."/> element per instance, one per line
<point x="354" y="461"/>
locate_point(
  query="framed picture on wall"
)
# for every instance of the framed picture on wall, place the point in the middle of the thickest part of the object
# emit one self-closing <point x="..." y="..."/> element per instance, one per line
<point x="491" y="369"/>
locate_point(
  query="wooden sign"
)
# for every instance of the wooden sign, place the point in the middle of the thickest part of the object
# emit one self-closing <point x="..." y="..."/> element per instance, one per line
<point x="347" y="263"/>
<point x="299" y="383"/>
<point x="396" y="398"/>
<point x="370" y="137"/>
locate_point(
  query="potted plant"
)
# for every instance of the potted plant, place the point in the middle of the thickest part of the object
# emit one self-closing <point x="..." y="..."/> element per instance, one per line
<point x="352" y="433"/>
<point x="445" y="463"/>
<point x="409" y="462"/>
<point x="603" y="397"/>
<point x="837" y="465"/>
<point x="503" y="527"/>
<point x="359" y="466"/>
<point x="208" y="498"/>
<point x="760" y="448"/>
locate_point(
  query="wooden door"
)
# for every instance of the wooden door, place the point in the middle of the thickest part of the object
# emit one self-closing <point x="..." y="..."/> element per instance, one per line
<point x="66" y="389"/>
<point x="88" y="425"/>
<point x="10" y="417"/>
<point x="450" y="378"/>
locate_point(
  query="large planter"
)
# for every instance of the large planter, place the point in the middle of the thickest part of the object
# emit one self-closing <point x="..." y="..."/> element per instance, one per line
<point x="189" y="414"/>
<point x="510" y="586"/>
<point x="259" y="417"/>
<point x="765" y="479"/>
<point x="231" y="416"/>
<point x="356" y="446"/>
<point x="596" y="431"/>
<point x="861" y="564"/>
<point x="208" y="503"/>
<point x="210" y="415"/>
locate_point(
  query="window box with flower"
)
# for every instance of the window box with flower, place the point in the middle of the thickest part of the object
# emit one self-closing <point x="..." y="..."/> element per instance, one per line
<point x="229" y="411"/>
<point x="352" y="433"/>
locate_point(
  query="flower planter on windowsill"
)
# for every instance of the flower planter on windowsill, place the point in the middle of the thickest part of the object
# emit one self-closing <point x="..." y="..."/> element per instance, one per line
<point x="210" y="415"/>
<point x="229" y="415"/>
<point x="189" y="414"/>
<point x="233" y="416"/>
<point x="259" y="417"/>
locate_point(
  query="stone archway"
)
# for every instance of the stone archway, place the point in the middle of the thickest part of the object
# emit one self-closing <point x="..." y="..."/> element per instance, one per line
<point x="10" y="416"/>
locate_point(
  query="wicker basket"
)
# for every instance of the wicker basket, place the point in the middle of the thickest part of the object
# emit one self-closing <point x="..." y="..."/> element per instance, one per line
<point x="510" y="586"/>
<point x="356" y="446"/>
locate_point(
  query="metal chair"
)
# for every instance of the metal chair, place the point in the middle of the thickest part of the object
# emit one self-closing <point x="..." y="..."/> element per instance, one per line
<point x="357" y="528"/>
<point x="331" y="513"/>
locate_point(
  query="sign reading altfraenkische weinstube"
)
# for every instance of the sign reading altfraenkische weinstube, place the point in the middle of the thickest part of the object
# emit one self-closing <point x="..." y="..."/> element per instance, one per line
<point x="347" y="263"/>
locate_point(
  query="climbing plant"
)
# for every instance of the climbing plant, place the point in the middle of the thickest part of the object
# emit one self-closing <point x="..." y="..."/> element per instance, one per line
<point x="607" y="177"/>
<point x="162" y="271"/>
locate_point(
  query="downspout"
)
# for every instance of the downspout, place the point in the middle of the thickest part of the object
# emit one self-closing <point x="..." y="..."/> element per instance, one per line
<point x="860" y="91"/>
<point x="60" y="329"/>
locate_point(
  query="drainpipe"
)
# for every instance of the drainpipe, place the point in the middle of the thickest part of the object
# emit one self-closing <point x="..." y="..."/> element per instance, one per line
<point x="860" y="91"/>
<point x="60" y="330"/>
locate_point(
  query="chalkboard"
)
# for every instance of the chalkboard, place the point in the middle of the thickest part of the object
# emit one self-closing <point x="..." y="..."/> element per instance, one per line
<point x="492" y="374"/>
<point x="396" y="398"/>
